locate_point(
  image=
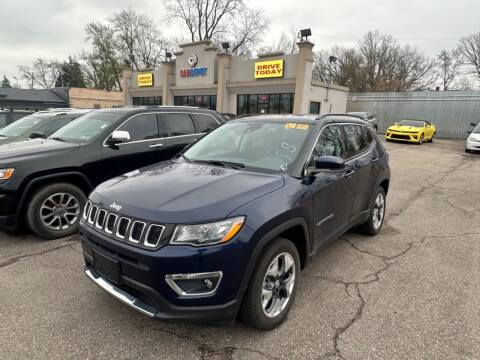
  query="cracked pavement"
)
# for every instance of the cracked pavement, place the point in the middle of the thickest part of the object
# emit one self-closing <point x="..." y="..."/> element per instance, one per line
<point x="412" y="292"/>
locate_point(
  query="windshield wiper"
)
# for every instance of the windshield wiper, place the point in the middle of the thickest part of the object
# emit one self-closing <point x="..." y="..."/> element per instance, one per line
<point x="184" y="157"/>
<point x="221" y="163"/>
<point x="58" y="139"/>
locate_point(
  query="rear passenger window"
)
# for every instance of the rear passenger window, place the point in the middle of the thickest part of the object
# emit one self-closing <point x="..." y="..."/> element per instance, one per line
<point x="206" y="122"/>
<point x="178" y="124"/>
<point x="141" y="127"/>
<point x="330" y="143"/>
<point x="356" y="139"/>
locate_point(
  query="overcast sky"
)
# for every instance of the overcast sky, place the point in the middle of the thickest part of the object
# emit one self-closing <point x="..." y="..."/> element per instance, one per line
<point x="55" y="28"/>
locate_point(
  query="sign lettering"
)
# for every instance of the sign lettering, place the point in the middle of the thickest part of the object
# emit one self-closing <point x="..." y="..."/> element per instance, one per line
<point x="268" y="69"/>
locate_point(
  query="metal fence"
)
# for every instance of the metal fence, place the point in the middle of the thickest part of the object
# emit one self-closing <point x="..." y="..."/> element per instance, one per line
<point x="452" y="112"/>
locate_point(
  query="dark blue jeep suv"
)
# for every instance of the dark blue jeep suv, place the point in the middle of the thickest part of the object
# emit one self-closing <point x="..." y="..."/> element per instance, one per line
<point x="226" y="226"/>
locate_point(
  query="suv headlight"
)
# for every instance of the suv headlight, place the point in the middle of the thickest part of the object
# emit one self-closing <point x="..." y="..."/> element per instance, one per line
<point x="207" y="234"/>
<point x="6" y="174"/>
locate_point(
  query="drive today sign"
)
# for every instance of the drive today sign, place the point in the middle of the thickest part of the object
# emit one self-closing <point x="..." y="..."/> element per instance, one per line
<point x="268" y="69"/>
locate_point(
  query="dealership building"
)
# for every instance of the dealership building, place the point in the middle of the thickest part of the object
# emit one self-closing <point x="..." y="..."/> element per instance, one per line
<point x="202" y="75"/>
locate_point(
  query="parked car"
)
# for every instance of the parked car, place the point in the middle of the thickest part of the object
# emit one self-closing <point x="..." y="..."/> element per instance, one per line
<point x="9" y="116"/>
<point x="416" y="131"/>
<point x="473" y="141"/>
<point x="42" y="124"/>
<point x="46" y="181"/>
<point x="368" y="117"/>
<point x="228" y="116"/>
<point x="227" y="225"/>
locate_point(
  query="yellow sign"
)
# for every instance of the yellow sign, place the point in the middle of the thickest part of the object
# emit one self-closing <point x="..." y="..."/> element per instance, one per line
<point x="296" y="126"/>
<point x="145" y="79"/>
<point x="268" y="69"/>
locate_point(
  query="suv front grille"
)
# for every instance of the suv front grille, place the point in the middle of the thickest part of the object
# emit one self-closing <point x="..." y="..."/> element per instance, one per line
<point x="123" y="228"/>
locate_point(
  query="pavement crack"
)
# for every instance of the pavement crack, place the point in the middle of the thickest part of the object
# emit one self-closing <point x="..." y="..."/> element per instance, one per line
<point x="15" y="259"/>
<point x="207" y="351"/>
<point x="429" y="184"/>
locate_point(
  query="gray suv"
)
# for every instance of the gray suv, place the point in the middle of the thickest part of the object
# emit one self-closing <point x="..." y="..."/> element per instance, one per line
<point x="368" y="117"/>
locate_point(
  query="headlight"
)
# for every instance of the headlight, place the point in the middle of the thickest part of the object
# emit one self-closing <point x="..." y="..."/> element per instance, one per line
<point x="207" y="234"/>
<point x="6" y="174"/>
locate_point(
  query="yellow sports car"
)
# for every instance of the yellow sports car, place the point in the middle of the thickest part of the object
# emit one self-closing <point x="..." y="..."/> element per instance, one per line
<point x="416" y="131"/>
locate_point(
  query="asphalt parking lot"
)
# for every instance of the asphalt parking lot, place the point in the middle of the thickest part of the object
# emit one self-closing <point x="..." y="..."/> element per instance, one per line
<point x="412" y="292"/>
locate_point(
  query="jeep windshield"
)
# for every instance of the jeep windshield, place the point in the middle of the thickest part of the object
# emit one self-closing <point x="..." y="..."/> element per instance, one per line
<point x="269" y="146"/>
<point x="22" y="126"/>
<point x="87" y="127"/>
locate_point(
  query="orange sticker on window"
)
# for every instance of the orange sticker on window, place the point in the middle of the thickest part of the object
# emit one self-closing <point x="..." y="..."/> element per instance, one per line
<point x="290" y="125"/>
<point x="296" y="126"/>
<point x="302" y="126"/>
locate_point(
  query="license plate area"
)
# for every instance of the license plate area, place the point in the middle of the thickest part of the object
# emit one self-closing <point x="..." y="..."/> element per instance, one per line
<point x="107" y="267"/>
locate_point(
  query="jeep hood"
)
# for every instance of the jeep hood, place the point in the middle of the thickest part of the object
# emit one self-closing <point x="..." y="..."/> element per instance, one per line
<point x="173" y="192"/>
<point x="31" y="149"/>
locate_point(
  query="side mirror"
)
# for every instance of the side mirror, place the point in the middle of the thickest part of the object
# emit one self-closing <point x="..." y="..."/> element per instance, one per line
<point x="329" y="163"/>
<point x="325" y="163"/>
<point x="118" y="137"/>
<point x="36" y="135"/>
<point x="396" y="124"/>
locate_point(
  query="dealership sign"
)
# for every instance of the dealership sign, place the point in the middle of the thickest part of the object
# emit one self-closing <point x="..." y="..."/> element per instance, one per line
<point x="192" y="61"/>
<point x="145" y="79"/>
<point x="268" y="69"/>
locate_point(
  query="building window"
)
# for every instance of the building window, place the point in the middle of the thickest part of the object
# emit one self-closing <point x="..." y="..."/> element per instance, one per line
<point x="147" y="100"/>
<point x="314" y="107"/>
<point x="204" y="101"/>
<point x="265" y="104"/>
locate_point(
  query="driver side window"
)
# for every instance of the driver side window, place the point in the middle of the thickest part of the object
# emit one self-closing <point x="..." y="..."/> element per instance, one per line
<point x="330" y="143"/>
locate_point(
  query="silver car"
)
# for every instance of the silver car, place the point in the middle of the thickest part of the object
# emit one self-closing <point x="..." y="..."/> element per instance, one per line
<point x="368" y="117"/>
<point x="473" y="141"/>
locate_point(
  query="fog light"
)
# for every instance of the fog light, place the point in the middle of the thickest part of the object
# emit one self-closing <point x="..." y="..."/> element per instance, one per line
<point x="196" y="284"/>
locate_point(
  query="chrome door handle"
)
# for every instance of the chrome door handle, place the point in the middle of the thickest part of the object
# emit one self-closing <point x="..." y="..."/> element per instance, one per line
<point x="156" y="146"/>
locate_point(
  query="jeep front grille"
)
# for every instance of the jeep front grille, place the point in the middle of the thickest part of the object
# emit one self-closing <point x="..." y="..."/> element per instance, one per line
<point x="123" y="228"/>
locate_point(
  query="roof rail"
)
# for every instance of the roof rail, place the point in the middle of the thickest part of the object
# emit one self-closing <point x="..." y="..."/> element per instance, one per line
<point x="339" y="114"/>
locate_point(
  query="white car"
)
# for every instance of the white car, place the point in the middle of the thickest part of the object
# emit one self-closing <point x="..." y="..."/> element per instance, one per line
<point x="473" y="141"/>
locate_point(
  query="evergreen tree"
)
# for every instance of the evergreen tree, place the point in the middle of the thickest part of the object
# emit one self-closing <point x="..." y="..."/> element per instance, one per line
<point x="71" y="74"/>
<point x="6" y="82"/>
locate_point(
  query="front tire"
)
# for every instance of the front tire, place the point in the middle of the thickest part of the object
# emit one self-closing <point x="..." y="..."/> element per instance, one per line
<point x="420" y="141"/>
<point x="273" y="286"/>
<point x="377" y="215"/>
<point x="54" y="211"/>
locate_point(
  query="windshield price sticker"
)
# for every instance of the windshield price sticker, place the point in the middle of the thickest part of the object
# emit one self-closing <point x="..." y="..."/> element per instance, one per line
<point x="296" y="126"/>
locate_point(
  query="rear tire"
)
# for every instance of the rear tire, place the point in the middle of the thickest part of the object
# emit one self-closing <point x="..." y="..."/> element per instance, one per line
<point x="54" y="210"/>
<point x="377" y="215"/>
<point x="271" y="293"/>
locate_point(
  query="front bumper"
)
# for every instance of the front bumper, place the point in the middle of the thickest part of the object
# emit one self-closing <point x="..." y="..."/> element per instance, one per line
<point x="402" y="136"/>
<point x="472" y="145"/>
<point x="141" y="282"/>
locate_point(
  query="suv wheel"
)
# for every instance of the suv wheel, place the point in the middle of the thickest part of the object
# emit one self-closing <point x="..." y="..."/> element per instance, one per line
<point x="375" y="220"/>
<point x="54" y="211"/>
<point x="273" y="286"/>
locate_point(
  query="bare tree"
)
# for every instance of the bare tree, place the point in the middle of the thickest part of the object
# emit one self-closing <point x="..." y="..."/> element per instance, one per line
<point x="379" y="63"/>
<point x="102" y="65"/>
<point x="205" y="19"/>
<point x="287" y="43"/>
<point x="42" y="73"/>
<point x="448" y="67"/>
<point x="246" y="31"/>
<point x="469" y="47"/>
<point x="220" y="20"/>
<point x="138" y="39"/>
